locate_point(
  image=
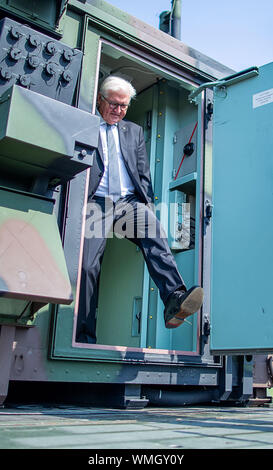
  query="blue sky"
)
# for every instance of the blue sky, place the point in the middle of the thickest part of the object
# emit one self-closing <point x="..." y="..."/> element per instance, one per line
<point x="237" y="33"/>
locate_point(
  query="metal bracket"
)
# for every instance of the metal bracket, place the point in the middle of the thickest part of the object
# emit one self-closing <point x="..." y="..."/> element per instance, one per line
<point x="230" y="80"/>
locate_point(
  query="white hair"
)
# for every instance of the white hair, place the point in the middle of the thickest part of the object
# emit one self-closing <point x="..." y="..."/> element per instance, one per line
<point x="114" y="83"/>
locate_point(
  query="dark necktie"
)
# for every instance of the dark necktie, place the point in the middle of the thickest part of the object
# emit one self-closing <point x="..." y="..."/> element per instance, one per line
<point x="113" y="166"/>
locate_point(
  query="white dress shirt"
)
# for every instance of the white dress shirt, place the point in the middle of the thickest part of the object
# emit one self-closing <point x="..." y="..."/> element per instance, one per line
<point x="126" y="183"/>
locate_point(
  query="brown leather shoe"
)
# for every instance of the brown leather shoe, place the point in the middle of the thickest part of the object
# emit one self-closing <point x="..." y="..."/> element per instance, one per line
<point x="182" y="304"/>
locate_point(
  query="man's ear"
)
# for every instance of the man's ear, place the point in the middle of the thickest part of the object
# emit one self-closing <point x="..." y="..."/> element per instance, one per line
<point x="99" y="99"/>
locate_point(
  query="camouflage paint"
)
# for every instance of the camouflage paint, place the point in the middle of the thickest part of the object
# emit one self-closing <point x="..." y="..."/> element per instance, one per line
<point x="32" y="264"/>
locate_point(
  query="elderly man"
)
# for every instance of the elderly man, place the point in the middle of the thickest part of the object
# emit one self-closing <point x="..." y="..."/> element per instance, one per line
<point x="120" y="194"/>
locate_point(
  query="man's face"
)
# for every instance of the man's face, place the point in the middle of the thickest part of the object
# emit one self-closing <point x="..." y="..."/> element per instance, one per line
<point x="109" y="106"/>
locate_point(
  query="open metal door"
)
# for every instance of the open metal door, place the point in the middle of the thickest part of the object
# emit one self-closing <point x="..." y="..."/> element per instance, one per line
<point x="241" y="297"/>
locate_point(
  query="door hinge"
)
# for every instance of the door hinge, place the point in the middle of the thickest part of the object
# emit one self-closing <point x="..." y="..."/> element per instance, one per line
<point x="209" y="113"/>
<point x="208" y="216"/>
<point x="206" y="328"/>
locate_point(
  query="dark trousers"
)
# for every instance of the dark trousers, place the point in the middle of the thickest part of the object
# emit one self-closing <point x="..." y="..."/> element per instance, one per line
<point x="132" y="219"/>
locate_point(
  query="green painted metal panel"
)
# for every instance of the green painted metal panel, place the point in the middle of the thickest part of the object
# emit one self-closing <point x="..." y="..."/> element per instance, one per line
<point x="50" y="141"/>
<point x="120" y="282"/>
<point x="72" y="29"/>
<point x="47" y="14"/>
<point x="242" y="223"/>
<point x="46" y="11"/>
<point x="88" y="83"/>
<point x="32" y="264"/>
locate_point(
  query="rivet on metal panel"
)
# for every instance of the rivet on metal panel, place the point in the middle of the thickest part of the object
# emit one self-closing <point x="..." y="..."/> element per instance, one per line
<point x="19" y="363"/>
<point x="15" y="53"/>
<point x="14" y="32"/>
<point x="51" y="48"/>
<point x="24" y="80"/>
<point x="67" y="55"/>
<point x="51" y="68"/>
<point x="33" y="40"/>
<point x="6" y="75"/>
<point x="67" y="76"/>
<point x="83" y="153"/>
<point x="33" y="61"/>
<point x="22" y="276"/>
